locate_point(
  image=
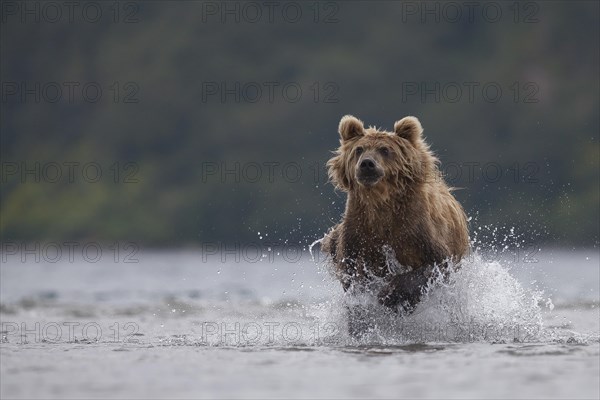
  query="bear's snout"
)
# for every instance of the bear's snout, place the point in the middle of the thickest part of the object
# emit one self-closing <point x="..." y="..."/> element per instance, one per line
<point x="368" y="172"/>
<point x="367" y="165"/>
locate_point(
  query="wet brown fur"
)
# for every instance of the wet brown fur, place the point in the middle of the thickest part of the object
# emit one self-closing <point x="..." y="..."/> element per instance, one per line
<point x="410" y="210"/>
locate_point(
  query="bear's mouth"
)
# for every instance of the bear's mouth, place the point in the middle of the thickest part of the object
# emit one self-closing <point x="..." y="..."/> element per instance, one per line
<point x="368" y="179"/>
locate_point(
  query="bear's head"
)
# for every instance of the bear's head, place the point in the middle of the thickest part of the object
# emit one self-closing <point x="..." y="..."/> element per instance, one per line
<point x="374" y="161"/>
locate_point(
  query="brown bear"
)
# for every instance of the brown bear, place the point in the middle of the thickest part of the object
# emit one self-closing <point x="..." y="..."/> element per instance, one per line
<point x="401" y="219"/>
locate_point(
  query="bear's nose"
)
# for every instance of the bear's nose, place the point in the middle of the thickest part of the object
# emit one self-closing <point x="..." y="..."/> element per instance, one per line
<point x="367" y="164"/>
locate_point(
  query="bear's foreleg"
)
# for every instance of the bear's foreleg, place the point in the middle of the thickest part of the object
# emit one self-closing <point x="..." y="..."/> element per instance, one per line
<point x="405" y="289"/>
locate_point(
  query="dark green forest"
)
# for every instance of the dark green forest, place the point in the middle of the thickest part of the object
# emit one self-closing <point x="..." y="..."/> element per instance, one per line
<point x="171" y="123"/>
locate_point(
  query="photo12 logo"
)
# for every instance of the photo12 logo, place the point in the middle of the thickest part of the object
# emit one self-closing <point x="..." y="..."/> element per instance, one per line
<point x="71" y="92"/>
<point x="270" y="12"/>
<point x="70" y="12"/>
<point x="265" y="332"/>
<point x="69" y="252"/>
<point x="68" y="172"/>
<point x="269" y="92"/>
<point x="263" y="251"/>
<point x="490" y="172"/>
<point x="454" y="12"/>
<point x="469" y="92"/>
<point x="68" y="332"/>
<point x="260" y="172"/>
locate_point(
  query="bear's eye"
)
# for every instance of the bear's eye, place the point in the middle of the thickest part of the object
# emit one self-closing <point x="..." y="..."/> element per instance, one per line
<point x="359" y="151"/>
<point x="384" y="151"/>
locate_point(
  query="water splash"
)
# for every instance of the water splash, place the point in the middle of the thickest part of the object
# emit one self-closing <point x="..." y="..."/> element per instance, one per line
<point x="480" y="301"/>
<point x="312" y="245"/>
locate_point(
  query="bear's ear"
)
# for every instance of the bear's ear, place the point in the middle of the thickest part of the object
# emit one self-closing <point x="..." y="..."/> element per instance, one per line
<point x="409" y="128"/>
<point x="350" y="127"/>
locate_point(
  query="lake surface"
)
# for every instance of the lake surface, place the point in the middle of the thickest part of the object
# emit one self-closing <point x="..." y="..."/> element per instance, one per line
<point x="184" y="324"/>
